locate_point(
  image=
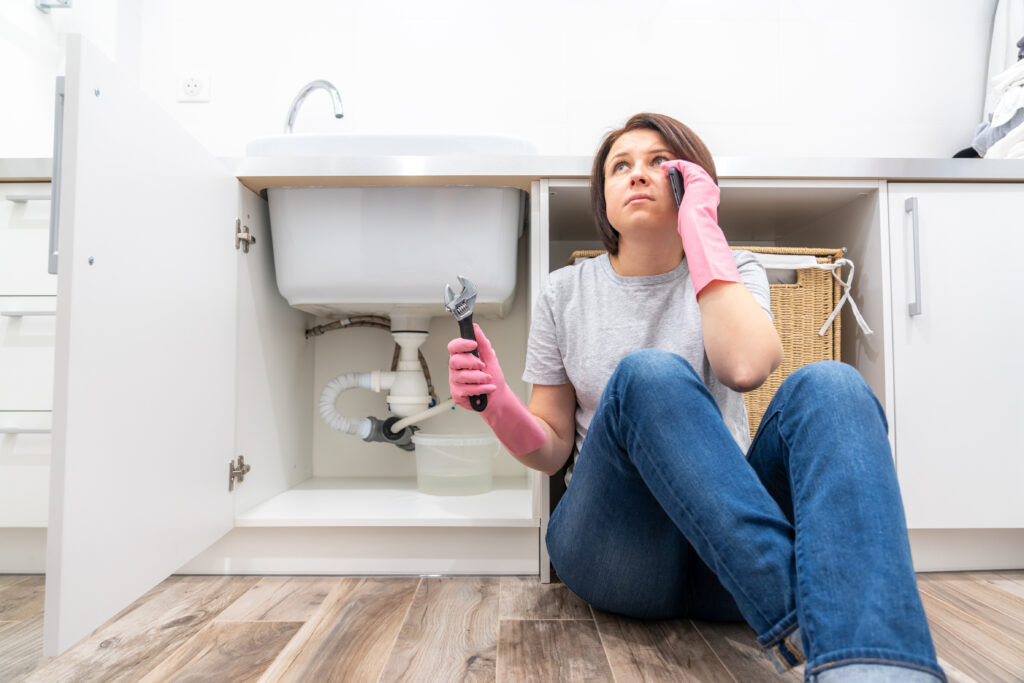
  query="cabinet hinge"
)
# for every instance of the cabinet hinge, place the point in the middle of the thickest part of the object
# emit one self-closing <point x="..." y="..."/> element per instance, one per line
<point x="237" y="472"/>
<point x="243" y="238"/>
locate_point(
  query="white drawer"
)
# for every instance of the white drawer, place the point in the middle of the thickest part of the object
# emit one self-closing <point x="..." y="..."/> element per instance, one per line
<point x="27" y="352"/>
<point x="24" y="468"/>
<point x="25" y="437"/>
<point x="25" y="240"/>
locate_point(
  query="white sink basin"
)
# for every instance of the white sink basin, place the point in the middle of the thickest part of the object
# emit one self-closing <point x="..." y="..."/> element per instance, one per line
<point x="391" y="250"/>
<point x="320" y="145"/>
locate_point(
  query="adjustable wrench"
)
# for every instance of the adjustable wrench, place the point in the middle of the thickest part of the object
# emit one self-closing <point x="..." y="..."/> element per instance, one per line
<point x="461" y="306"/>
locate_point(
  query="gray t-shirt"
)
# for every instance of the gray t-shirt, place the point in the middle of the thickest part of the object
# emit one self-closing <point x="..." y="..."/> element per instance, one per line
<point x="588" y="318"/>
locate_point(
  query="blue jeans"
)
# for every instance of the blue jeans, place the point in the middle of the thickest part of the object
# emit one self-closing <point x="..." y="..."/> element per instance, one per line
<point x="804" y="538"/>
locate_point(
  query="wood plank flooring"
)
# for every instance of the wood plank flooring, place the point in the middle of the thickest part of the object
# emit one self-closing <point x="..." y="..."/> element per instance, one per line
<point x="248" y="628"/>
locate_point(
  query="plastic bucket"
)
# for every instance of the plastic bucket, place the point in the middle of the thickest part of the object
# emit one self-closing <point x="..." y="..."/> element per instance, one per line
<point x="454" y="464"/>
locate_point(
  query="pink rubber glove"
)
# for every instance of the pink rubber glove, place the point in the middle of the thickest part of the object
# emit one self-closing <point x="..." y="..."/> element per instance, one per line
<point x="704" y="245"/>
<point x="508" y="418"/>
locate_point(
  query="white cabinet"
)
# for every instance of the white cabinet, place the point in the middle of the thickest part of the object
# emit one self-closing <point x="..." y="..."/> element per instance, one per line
<point x="144" y="390"/>
<point x="957" y="364"/>
<point x="175" y="354"/>
<point x="26" y="396"/>
<point x="27" y="321"/>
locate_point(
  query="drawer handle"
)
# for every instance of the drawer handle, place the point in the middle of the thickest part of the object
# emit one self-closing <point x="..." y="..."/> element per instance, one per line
<point x="20" y="314"/>
<point x="914" y="307"/>
<point x="22" y="198"/>
<point x="24" y="430"/>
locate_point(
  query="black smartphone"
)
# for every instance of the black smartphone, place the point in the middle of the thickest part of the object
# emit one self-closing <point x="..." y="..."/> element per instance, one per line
<point x="677" y="184"/>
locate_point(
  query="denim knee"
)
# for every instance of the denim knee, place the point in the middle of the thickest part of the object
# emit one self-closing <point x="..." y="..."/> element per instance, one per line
<point x="650" y="368"/>
<point x="828" y="373"/>
<point x="831" y="383"/>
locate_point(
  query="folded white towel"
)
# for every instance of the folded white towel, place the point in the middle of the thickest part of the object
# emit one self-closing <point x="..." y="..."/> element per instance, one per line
<point x="1007" y="91"/>
<point x="1010" y="146"/>
<point x="1006" y="27"/>
<point x="1005" y="79"/>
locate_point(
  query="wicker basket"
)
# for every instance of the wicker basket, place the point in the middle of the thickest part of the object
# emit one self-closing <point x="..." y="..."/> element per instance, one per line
<point x="800" y="309"/>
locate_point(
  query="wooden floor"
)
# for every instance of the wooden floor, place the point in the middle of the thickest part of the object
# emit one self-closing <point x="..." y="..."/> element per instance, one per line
<point x="248" y="628"/>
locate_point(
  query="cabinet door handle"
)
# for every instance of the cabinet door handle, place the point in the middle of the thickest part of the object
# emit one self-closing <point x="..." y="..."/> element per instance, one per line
<point x="58" y="146"/>
<point x="914" y="308"/>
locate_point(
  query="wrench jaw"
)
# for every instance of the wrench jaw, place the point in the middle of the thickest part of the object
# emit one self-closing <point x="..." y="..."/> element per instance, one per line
<point x="461" y="304"/>
<point x="449" y="299"/>
<point x="468" y="288"/>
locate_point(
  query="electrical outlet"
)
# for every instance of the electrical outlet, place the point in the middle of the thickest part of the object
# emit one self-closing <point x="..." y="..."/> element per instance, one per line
<point x="194" y="86"/>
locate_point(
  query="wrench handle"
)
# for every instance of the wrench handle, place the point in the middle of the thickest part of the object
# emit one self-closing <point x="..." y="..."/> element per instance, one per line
<point x="478" y="402"/>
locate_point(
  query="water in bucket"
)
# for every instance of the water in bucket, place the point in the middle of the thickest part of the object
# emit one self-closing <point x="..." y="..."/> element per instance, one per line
<point x="454" y="464"/>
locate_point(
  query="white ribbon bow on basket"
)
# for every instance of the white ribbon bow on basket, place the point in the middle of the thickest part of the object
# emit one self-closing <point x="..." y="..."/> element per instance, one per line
<point x="792" y="262"/>
<point x="836" y="269"/>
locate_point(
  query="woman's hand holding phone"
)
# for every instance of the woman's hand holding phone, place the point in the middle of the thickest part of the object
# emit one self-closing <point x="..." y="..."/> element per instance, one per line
<point x="704" y="244"/>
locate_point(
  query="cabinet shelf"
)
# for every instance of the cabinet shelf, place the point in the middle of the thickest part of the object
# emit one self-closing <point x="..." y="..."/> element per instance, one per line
<point x="391" y="502"/>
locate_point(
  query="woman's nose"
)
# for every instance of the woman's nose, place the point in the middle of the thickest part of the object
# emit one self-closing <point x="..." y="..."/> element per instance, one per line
<point x="638" y="178"/>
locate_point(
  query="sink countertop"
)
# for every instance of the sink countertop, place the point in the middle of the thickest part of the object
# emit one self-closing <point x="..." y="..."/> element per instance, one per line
<point x="258" y="173"/>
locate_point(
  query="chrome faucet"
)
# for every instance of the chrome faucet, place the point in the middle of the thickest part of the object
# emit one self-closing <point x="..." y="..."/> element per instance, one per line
<point x="308" y="88"/>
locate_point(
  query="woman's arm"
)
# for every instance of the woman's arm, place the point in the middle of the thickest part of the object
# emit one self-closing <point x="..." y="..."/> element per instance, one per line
<point x="742" y="345"/>
<point x="554" y="407"/>
<point x="541" y="436"/>
<point x="740" y="340"/>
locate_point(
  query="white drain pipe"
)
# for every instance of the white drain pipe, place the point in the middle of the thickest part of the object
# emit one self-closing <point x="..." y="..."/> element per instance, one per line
<point x="330" y="414"/>
<point x="408" y="397"/>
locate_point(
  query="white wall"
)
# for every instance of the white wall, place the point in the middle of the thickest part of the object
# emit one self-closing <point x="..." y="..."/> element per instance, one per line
<point x="31" y="57"/>
<point x="30" y="60"/>
<point x="888" y="78"/>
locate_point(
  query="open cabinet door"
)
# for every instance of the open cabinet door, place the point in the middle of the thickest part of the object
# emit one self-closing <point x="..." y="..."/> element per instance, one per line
<point x="144" y="390"/>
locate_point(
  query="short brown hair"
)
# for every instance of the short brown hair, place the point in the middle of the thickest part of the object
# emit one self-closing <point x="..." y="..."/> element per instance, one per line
<point x="682" y="142"/>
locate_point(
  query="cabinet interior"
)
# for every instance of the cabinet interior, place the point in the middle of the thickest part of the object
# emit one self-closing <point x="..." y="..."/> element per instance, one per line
<point x="769" y="212"/>
<point x="309" y="457"/>
<point x="302" y="470"/>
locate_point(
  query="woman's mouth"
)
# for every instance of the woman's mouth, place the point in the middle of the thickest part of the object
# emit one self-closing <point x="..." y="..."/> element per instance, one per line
<point x="639" y="198"/>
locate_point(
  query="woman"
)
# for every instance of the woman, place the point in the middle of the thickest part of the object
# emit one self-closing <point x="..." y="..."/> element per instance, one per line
<point x="638" y="360"/>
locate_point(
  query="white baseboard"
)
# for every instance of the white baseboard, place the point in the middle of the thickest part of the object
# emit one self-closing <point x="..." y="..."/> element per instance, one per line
<point x="346" y="550"/>
<point x="945" y="550"/>
<point x="371" y="550"/>
<point x="388" y="550"/>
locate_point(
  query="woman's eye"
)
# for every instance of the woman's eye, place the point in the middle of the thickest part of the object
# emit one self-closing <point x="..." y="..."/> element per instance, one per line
<point x="659" y="159"/>
<point x="619" y="166"/>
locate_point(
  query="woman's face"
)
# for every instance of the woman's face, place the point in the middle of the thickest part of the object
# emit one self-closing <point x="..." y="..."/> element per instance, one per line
<point x="637" y="193"/>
